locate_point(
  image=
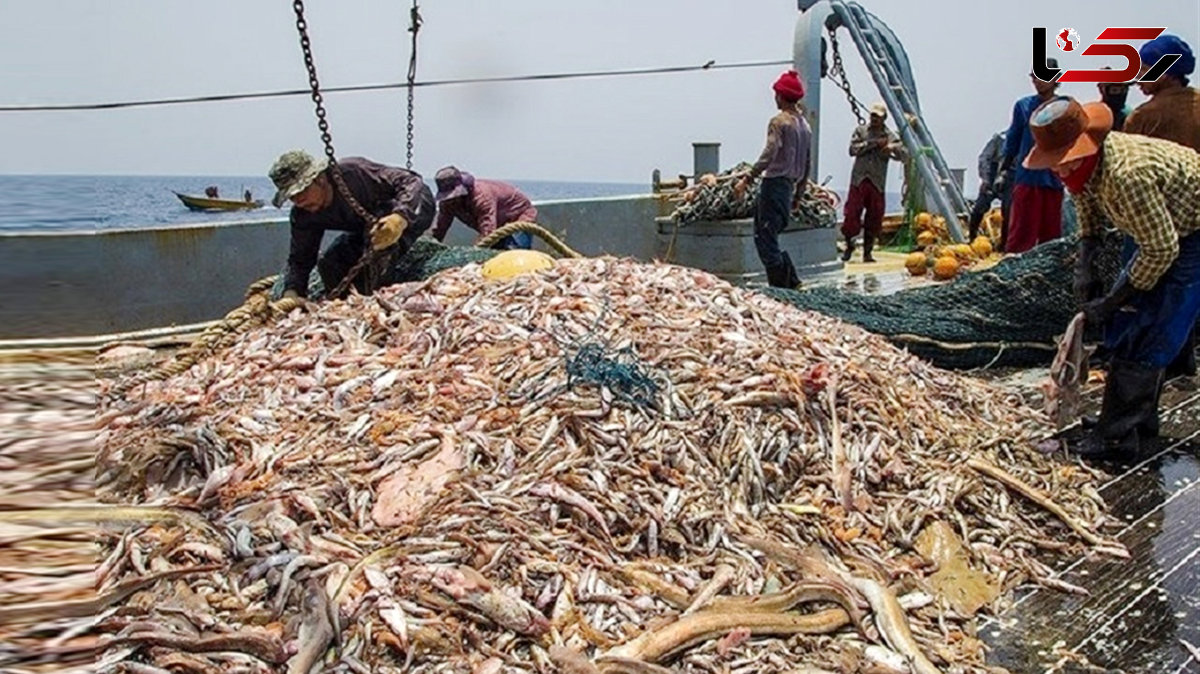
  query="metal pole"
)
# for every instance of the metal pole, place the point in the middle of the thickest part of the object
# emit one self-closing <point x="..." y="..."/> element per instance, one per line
<point x="944" y="206"/>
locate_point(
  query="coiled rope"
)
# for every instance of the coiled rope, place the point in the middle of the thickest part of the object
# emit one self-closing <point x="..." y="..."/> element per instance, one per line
<point x="257" y="310"/>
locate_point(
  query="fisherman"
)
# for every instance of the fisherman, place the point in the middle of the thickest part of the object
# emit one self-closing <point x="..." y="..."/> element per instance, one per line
<point x="1035" y="203"/>
<point x="211" y="191"/>
<point x="482" y="205"/>
<point x="248" y="196"/>
<point x="1114" y="95"/>
<point x="1149" y="189"/>
<point x="872" y="145"/>
<point x="1172" y="113"/>
<point x="398" y="201"/>
<point x="784" y="166"/>
<point x="989" y="164"/>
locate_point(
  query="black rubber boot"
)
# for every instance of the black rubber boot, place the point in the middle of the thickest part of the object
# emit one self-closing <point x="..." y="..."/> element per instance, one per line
<point x="788" y="275"/>
<point x="1184" y="364"/>
<point x="849" y="249"/>
<point x="1130" y="408"/>
<point x="868" y="246"/>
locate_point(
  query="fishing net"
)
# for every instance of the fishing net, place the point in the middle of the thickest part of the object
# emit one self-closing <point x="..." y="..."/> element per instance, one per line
<point x="714" y="198"/>
<point x="1008" y="315"/>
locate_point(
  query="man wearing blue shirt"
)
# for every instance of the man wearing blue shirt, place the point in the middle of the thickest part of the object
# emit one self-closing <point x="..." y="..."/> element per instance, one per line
<point x="1035" y="211"/>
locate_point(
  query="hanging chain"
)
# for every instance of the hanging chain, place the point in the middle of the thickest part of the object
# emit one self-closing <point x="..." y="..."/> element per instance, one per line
<point x="335" y="172"/>
<point x="837" y="74"/>
<point x="414" y="18"/>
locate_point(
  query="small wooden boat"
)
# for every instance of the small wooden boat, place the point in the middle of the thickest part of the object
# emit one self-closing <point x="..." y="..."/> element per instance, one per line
<point x="209" y="204"/>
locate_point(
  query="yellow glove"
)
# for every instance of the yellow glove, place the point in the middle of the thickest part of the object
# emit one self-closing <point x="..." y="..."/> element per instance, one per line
<point x="387" y="230"/>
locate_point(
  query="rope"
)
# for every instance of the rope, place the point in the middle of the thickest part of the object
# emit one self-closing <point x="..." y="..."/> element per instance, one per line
<point x="255" y="311"/>
<point x="216" y="98"/>
<point x="511" y="228"/>
<point x="262" y="284"/>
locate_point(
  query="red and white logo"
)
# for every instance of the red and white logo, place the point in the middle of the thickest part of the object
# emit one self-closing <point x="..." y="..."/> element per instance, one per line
<point x="1068" y="39"/>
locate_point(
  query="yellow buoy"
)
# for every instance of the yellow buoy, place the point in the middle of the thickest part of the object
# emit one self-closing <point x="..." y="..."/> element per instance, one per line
<point x="982" y="246"/>
<point x="945" y="267"/>
<point x="513" y="262"/>
<point x="916" y="263"/>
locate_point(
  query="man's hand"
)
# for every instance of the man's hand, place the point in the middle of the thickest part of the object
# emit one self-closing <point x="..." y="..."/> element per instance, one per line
<point x="387" y="230"/>
<point x="1100" y="311"/>
<point x="291" y="294"/>
<point x="999" y="184"/>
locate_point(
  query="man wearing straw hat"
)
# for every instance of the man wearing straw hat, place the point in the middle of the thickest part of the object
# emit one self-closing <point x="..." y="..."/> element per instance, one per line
<point x="398" y="201"/>
<point x="1149" y="189"/>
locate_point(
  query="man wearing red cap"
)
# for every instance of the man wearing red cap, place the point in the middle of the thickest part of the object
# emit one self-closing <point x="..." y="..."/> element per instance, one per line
<point x="783" y="166"/>
<point x="1149" y="189"/>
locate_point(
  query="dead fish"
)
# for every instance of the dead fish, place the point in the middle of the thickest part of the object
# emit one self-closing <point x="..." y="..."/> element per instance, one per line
<point x="1063" y="390"/>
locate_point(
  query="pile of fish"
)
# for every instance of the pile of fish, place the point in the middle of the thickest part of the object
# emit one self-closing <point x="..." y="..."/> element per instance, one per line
<point x="47" y="562"/>
<point x="456" y="476"/>
<point x="713" y="197"/>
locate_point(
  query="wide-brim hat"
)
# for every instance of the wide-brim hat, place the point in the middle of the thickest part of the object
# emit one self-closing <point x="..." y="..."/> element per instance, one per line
<point x="294" y="171"/>
<point x="1063" y="131"/>
<point x="452" y="183"/>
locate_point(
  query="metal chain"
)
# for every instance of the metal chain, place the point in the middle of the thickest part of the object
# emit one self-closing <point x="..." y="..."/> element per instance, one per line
<point x="837" y="74"/>
<point x="414" y="18"/>
<point x="335" y="171"/>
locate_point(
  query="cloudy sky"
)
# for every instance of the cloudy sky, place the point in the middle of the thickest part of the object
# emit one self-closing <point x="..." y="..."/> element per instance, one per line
<point x="971" y="60"/>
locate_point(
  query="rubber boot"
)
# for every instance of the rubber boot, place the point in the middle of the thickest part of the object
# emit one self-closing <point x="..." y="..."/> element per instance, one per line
<point x="1130" y="405"/>
<point x="849" y="249"/>
<point x="1184" y="364"/>
<point x="776" y="276"/>
<point x="868" y="246"/>
<point x="788" y="276"/>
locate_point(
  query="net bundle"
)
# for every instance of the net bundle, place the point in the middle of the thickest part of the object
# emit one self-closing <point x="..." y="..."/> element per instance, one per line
<point x="714" y="198"/>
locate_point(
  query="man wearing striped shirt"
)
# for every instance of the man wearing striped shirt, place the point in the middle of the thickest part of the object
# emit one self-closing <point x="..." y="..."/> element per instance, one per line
<point x="1149" y="189"/>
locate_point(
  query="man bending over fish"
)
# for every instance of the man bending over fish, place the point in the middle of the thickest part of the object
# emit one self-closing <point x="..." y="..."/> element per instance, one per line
<point x="1149" y="189"/>
<point x="399" y="202"/>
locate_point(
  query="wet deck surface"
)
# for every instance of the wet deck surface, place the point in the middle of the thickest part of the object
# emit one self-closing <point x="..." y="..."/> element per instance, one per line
<point x="1140" y="612"/>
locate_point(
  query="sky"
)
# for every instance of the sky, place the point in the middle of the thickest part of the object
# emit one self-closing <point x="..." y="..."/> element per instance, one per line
<point x="970" y="59"/>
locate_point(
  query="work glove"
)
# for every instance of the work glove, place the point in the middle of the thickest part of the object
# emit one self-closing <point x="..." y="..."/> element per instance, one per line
<point x="387" y="231"/>
<point x="1086" y="286"/>
<point x="1100" y="311"/>
<point x="291" y="294"/>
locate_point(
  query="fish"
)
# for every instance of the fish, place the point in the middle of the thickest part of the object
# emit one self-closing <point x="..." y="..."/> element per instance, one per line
<point x="1063" y="388"/>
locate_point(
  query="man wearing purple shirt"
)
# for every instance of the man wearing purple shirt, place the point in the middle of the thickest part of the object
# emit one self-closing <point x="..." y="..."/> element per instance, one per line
<point x="482" y="205"/>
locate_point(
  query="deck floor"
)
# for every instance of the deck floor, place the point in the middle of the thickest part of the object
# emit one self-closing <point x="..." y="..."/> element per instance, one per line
<point x="1142" y="613"/>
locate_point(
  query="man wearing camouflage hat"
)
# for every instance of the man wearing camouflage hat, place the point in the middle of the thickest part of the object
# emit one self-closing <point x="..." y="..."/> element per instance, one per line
<point x="1149" y="189"/>
<point x="399" y="202"/>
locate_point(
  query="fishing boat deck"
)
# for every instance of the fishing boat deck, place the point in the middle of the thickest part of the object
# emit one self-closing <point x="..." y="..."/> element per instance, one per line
<point x="1139" y="614"/>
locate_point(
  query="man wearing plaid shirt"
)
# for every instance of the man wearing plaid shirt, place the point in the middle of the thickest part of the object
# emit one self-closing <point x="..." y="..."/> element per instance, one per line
<point x="1149" y="189"/>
